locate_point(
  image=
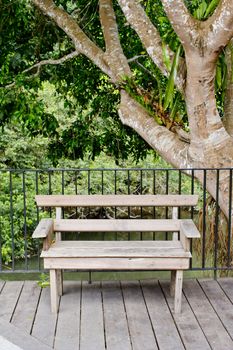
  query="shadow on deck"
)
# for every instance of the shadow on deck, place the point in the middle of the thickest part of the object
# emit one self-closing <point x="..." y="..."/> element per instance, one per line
<point x="121" y="316"/>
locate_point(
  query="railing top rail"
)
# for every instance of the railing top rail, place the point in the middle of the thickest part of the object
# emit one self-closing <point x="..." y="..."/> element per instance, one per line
<point x="187" y="170"/>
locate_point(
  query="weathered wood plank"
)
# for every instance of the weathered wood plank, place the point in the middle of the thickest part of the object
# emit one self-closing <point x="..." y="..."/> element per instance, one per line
<point x="140" y="328"/>
<point x="43" y="229"/>
<point x="112" y="249"/>
<point x="161" y="318"/>
<point x="26" y="307"/>
<point x="13" y="338"/>
<point x="116" y="225"/>
<point x="220" y="303"/>
<point x="227" y="286"/>
<point x="117" y="263"/>
<point x="45" y="322"/>
<point x="9" y="298"/>
<point x="119" y="244"/>
<point x="186" y="322"/>
<point x="115" y="200"/>
<point x="116" y="328"/>
<point x="189" y="229"/>
<point x="67" y="333"/>
<point x="212" y="327"/>
<point x="92" y="324"/>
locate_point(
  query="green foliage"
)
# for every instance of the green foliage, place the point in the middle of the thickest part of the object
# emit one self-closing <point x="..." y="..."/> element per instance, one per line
<point x="43" y="281"/>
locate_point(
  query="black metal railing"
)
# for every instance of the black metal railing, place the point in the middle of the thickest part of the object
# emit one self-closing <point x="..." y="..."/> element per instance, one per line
<point x="19" y="214"/>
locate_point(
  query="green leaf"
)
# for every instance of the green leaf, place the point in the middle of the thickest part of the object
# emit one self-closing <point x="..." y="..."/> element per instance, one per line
<point x="200" y="12"/>
<point x="219" y="76"/>
<point x="211" y="7"/>
<point x="174" y="108"/>
<point x="166" y="57"/>
<point x="171" y="80"/>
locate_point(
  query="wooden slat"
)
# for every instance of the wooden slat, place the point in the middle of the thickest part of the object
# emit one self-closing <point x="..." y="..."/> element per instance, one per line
<point x="189" y="229"/>
<point x="116" y="328"/>
<point x="13" y="338"/>
<point x="142" y="336"/>
<point x="212" y="327"/>
<point x="187" y="324"/>
<point x="8" y="298"/>
<point x="43" y="229"/>
<point x="220" y="303"/>
<point x="45" y="322"/>
<point x="165" y="330"/>
<point x="118" y="244"/>
<point x="113" y="250"/>
<point x="227" y="286"/>
<point x="67" y="332"/>
<point x="112" y="264"/>
<point x="115" y="200"/>
<point x="118" y="225"/>
<point x="92" y="324"/>
<point x="26" y="307"/>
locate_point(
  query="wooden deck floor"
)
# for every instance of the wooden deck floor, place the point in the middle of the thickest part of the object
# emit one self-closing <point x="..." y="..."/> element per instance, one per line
<point x="123" y="316"/>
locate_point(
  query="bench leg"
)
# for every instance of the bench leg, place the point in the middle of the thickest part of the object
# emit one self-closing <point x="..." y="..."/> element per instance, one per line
<point x="178" y="291"/>
<point x="54" y="290"/>
<point x="172" y="283"/>
<point x="60" y="282"/>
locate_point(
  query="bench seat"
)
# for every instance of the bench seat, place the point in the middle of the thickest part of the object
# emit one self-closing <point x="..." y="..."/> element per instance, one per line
<point x="114" y="249"/>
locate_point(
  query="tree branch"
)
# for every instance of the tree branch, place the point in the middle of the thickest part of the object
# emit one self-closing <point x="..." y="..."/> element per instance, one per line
<point x="81" y="41"/>
<point x="45" y="62"/>
<point x="52" y="61"/>
<point x="165" y="142"/>
<point x="182" y="22"/>
<point x="220" y="26"/>
<point x="149" y="36"/>
<point x="114" y="54"/>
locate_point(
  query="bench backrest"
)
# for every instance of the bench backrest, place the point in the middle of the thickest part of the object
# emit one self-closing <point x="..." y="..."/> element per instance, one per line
<point x="168" y="200"/>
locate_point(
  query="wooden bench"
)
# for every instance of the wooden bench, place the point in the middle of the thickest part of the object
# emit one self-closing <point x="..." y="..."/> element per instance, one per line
<point x="173" y="255"/>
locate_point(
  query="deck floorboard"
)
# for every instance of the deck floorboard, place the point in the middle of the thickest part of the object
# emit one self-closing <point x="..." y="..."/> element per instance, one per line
<point x="123" y="315"/>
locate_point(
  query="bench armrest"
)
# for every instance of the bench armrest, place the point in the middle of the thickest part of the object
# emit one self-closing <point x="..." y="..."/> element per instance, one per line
<point x="188" y="230"/>
<point x="44" y="230"/>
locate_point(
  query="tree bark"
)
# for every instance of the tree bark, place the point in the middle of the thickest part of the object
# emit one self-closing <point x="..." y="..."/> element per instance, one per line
<point x="228" y="102"/>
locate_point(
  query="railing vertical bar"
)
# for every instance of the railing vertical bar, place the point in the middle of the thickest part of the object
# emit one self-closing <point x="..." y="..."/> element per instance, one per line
<point x="102" y="192"/>
<point x="229" y="260"/>
<point x="204" y="220"/>
<point x="141" y="236"/>
<point x="128" y="187"/>
<point x="76" y="190"/>
<point x="216" y="227"/>
<point x="49" y="189"/>
<point x="62" y="181"/>
<point x="88" y="191"/>
<point x="167" y="191"/>
<point x="88" y="181"/>
<point x="115" y="191"/>
<point x="154" y="191"/>
<point x="12" y="223"/>
<point x="25" y="222"/>
<point x="179" y="191"/>
<point x="37" y="219"/>
<point x="192" y="191"/>
<point x="1" y="216"/>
